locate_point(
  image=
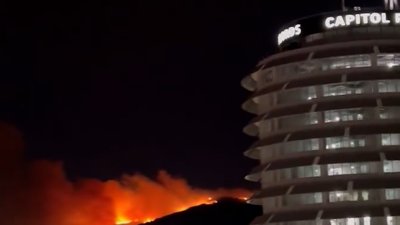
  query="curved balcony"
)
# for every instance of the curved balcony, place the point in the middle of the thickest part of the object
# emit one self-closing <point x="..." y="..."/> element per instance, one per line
<point x="334" y="169"/>
<point x="262" y="103"/>
<point x="332" y="211"/>
<point x="365" y="220"/>
<point x="290" y="58"/>
<point x="327" y="156"/>
<point x="328" y="183"/>
<point x="336" y="130"/>
<point x="267" y="125"/>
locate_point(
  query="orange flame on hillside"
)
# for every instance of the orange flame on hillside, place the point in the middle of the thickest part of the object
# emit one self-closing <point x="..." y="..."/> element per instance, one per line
<point x="134" y="199"/>
<point x="138" y="199"/>
<point x="38" y="193"/>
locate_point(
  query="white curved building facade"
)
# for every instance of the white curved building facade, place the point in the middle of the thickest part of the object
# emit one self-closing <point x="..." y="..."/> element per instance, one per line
<point x="327" y="116"/>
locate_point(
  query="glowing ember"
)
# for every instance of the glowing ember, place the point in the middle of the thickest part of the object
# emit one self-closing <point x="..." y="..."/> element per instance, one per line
<point x="122" y="222"/>
<point x="148" y="220"/>
<point x="209" y="201"/>
<point x="244" y="198"/>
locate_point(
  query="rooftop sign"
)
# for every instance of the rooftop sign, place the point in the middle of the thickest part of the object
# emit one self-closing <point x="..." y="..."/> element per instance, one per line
<point x="362" y="19"/>
<point x="324" y="22"/>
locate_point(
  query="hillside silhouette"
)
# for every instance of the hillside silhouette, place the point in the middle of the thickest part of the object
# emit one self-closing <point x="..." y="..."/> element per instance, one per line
<point x="226" y="211"/>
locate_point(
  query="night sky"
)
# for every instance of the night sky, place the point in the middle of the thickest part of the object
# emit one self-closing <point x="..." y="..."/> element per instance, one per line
<point x="139" y="86"/>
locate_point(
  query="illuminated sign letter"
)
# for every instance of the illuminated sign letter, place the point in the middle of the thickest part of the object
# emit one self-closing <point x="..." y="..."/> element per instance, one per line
<point x="397" y="18"/>
<point x="350" y="19"/>
<point x="365" y="18"/>
<point x="329" y="22"/>
<point x="340" y="22"/>
<point x="297" y="29"/>
<point x="289" y="33"/>
<point x="375" y="18"/>
<point x="385" y="20"/>
<point x="358" y="19"/>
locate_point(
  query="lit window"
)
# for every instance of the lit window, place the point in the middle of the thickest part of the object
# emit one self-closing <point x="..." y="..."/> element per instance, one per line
<point x="390" y="139"/>
<point x="389" y="220"/>
<point x="343" y="89"/>
<point x="353" y="221"/>
<point x="310" y="93"/>
<point x="367" y="220"/>
<point x="388" y="86"/>
<point x="347" y="168"/>
<point x="343" y="115"/>
<point x="391" y="166"/>
<point x="341" y="196"/>
<point x="309" y="171"/>
<point x="313" y="118"/>
<point x="365" y="195"/>
<point x="347" y="221"/>
<point x="389" y="112"/>
<point x="384" y="115"/>
<point x="310" y="198"/>
<point x="391" y="194"/>
<point x="344" y="142"/>
<point x="346" y="62"/>
<point x="388" y="60"/>
<point x="324" y="64"/>
<point x="296" y="120"/>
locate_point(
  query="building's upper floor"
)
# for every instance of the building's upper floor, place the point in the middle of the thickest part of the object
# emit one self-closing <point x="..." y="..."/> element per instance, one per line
<point x="338" y="26"/>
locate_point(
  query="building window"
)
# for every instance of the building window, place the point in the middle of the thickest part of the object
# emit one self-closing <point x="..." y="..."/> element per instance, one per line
<point x="389" y="113"/>
<point x="307" y="66"/>
<point x="346" y="62"/>
<point x="347" y="168"/>
<point x="342" y="196"/>
<point x="389" y="220"/>
<point x="301" y="146"/>
<point x="366" y="220"/>
<point x="344" y="142"/>
<point x="310" y="93"/>
<point x="388" y="86"/>
<point x="383" y="114"/>
<point x="391" y="166"/>
<point x="346" y="221"/>
<point x="333" y="116"/>
<point x="311" y="198"/>
<point x="388" y="60"/>
<point x="343" y="89"/>
<point x="390" y="139"/>
<point x="324" y="64"/>
<point x="313" y="117"/>
<point x="392" y="194"/>
<point x="296" y="120"/>
<point x="309" y="171"/>
<point x="364" y="195"/>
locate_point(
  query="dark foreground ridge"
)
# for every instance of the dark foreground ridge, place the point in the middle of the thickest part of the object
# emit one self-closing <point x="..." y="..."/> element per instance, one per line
<point x="226" y="211"/>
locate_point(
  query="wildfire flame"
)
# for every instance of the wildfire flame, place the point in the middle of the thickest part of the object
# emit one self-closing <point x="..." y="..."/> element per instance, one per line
<point x="121" y="221"/>
<point x="38" y="193"/>
<point x="138" y="199"/>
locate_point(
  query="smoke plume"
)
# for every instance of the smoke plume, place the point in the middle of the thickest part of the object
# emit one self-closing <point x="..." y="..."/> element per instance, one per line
<point x="38" y="193"/>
